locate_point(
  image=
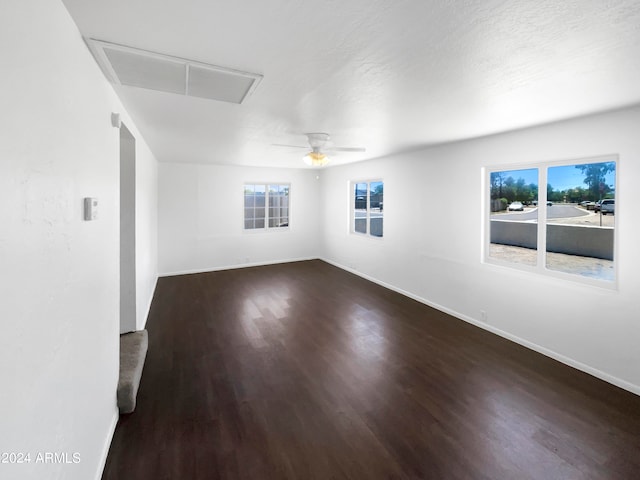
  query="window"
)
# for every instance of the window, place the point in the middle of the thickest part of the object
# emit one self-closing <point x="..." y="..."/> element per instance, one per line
<point x="266" y="206"/>
<point x="580" y="225"/>
<point x="513" y="222"/>
<point x="368" y="202"/>
<point x="568" y="227"/>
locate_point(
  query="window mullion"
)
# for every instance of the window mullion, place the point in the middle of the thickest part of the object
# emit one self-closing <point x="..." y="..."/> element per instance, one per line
<point x="368" y="197"/>
<point x="542" y="218"/>
<point x="267" y="206"/>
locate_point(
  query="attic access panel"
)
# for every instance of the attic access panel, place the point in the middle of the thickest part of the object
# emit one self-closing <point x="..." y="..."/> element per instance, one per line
<point x="133" y="67"/>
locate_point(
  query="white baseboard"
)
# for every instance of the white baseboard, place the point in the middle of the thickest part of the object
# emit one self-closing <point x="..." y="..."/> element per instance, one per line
<point x="521" y="341"/>
<point x="107" y="443"/>
<point x="234" y="266"/>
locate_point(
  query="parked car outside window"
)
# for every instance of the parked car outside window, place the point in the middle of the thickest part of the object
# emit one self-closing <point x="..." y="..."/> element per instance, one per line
<point x="608" y="206"/>
<point x="515" y="207"/>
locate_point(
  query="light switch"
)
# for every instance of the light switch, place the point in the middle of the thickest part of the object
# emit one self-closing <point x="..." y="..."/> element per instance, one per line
<point x="90" y="208"/>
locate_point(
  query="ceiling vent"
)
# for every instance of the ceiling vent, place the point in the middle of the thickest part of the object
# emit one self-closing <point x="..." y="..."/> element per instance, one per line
<point x="138" y="68"/>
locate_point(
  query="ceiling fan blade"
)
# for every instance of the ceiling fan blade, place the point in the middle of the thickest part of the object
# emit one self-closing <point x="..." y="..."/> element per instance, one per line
<point x="346" y="149"/>
<point x="291" y="146"/>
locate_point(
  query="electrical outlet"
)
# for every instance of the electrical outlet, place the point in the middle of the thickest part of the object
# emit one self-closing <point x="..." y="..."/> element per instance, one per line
<point x="483" y="315"/>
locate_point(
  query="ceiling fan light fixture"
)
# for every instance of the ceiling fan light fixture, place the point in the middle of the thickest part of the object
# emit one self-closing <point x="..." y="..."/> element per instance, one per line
<point x="316" y="159"/>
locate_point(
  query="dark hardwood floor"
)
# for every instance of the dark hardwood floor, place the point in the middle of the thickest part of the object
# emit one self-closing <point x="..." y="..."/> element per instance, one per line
<point x="304" y="371"/>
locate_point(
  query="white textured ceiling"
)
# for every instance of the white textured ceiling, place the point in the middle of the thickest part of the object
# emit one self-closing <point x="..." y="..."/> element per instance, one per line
<point x="388" y="75"/>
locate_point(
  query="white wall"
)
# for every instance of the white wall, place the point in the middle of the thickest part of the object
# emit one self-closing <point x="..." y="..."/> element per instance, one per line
<point x="432" y="242"/>
<point x="141" y="233"/>
<point x="59" y="274"/>
<point x="200" y="225"/>
<point x="146" y="229"/>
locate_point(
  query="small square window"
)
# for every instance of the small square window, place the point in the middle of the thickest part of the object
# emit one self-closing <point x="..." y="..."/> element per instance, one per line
<point x="266" y="206"/>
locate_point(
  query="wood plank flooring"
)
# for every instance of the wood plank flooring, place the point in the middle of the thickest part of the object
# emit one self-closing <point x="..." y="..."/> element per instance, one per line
<point x="304" y="371"/>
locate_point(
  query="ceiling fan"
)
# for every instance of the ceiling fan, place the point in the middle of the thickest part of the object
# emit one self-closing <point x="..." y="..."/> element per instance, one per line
<point x="318" y="142"/>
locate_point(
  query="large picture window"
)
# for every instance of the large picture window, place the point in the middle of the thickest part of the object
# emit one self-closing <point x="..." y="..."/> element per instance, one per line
<point x="567" y="227"/>
<point x="368" y="207"/>
<point x="266" y="206"/>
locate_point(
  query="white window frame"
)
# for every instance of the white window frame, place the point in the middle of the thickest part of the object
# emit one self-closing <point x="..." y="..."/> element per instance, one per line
<point x="540" y="267"/>
<point x="352" y="205"/>
<point x="266" y="227"/>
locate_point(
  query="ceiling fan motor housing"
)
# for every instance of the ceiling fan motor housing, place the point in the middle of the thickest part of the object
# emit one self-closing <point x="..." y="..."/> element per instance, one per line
<point x="317" y="140"/>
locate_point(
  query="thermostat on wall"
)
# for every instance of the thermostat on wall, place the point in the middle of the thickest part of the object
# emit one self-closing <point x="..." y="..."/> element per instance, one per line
<point x="90" y="208"/>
